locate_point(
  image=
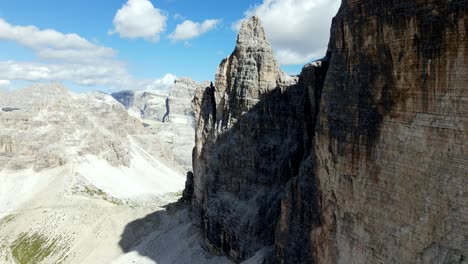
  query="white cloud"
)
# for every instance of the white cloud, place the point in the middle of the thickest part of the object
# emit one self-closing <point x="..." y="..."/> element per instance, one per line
<point x="68" y="57"/>
<point x="51" y="44"/>
<point x="112" y="75"/>
<point x="4" y="83"/>
<point x="297" y="29"/>
<point x="139" y="19"/>
<point x="82" y="74"/>
<point x="189" y="29"/>
<point x="160" y="84"/>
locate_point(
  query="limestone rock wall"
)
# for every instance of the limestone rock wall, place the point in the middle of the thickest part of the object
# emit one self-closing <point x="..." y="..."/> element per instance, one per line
<point x="54" y="126"/>
<point x="143" y="104"/>
<point x="245" y="114"/>
<point x="180" y="100"/>
<point x="362" y="159"/>
<point x="168" y="116"/>
<point x="391" y="139"/>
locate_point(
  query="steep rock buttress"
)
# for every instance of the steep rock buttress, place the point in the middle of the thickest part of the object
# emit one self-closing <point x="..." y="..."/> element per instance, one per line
<point x="246" y="112"/>
<point x="362" y="159"/>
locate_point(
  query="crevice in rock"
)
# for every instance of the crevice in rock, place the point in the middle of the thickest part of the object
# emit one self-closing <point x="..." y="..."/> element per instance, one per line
<point x="168" y="111"/>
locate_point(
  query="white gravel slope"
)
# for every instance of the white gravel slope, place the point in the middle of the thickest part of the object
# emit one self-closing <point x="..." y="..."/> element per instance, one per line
<point x="81" y="181"/>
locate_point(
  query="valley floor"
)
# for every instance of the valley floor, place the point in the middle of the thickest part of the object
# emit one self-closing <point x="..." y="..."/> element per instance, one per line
<point x="67" y="215"/>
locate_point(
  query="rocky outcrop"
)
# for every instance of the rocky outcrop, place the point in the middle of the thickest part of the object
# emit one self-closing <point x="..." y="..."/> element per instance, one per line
<point x="391" y="135"/>
<point x="361" y="160"/>
<point x="143" y="104"/>
<point x="187" y="194"/>
<point x="54" y="126"/>
<point x="169" y="117"/>
<point x="9" y="109"/>
<point x="246" y="114"/>
<point x="180" y="100"/>
<point x="173" y="105"/>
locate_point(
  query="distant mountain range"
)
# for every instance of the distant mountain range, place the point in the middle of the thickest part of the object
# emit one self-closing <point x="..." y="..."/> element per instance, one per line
<point x="76" y="168"/>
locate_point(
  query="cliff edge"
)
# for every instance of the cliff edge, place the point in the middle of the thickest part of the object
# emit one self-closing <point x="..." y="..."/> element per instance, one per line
<point x="362" y="159"/>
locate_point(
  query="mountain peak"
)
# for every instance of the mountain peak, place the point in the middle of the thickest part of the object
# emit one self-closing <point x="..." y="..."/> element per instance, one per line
<point x="251" y="32"/>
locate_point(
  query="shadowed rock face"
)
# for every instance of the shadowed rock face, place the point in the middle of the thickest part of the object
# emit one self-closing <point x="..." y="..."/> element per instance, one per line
<point x="391" y="135"/>
<point x="237" y="194"/>
<point x="361" y="160"/>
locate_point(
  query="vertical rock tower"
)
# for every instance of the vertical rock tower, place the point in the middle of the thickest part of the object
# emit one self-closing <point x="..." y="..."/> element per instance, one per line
<point x="237" y="194"/>
<point x="249" y="72"/>
<point x="362" y="159"/>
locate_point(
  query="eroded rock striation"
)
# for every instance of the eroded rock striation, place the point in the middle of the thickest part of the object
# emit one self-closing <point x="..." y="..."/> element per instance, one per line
<point x="239" y="158"/>
<point x="53" y="126"/>
<point x="180" y="100"/>
<point x="173" y="105"/>
<point x="362" y="159"/>
<point x="169" y="116"/>
<point x="391" y="135"/>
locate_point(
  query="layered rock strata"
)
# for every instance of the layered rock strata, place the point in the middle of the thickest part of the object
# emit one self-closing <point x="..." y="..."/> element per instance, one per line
<point x="173" y="105"/>
<point x="143" y="104"/>
<point x="180" y="100"/>
<point x="360" y="160"/>
<point x="245" y="114"/>
<point x="169" y="117"/>
<point x="54" y="126"/>
<point x="391" y="138"/>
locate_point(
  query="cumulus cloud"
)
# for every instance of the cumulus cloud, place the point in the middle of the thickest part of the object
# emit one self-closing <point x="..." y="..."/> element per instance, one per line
<point x="297" y="29"/>
<point x="81" y="74"/>
<point x="4" y="83"/>
<point x="189" y="29"/>
<point x="51" y="44"/>
<point x="68" y="57"/>
<point x="159" y="84"/>
<point x="113" y="75"/>
<point x="139" y="19"/>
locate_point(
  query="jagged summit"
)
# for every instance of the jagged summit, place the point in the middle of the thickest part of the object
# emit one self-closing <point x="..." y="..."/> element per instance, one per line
<point x="362" y="161"/>
<point x="250" y="71"/>
<point x="251" y="92"/>
<point x="251" y="31"/>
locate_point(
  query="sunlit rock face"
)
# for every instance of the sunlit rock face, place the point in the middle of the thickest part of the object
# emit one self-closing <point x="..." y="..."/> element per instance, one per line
<point x="169" y="116"/>
<point x="171" y="105"/>
<point x="250" y="71"/>
<point x="53" y="126"/>
<point x="359" y="160"/>
<point x="180" y="100"/>
<point x="143" y="104"/>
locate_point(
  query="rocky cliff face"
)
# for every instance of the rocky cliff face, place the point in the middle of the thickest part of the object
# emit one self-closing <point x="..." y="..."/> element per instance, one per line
<point x="245" y="114"/>
<point x="173" y="105"/>
<point x="361" y="160"/>
<point x="143" y="104"/>
<point x="54" y="126"/>
<point x="169" y="116"/>
<point x="180" y="100"/>
<point x="391" y="161"/>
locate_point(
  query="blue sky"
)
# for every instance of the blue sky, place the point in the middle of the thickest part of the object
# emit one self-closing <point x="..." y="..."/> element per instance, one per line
<point x="140" y="47"/>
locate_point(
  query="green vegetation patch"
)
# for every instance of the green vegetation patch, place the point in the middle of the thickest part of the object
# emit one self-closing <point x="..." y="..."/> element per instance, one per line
<point x="33" y="248"/>
<point x="98" y="193"/>
<point x="7" y="219"/>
